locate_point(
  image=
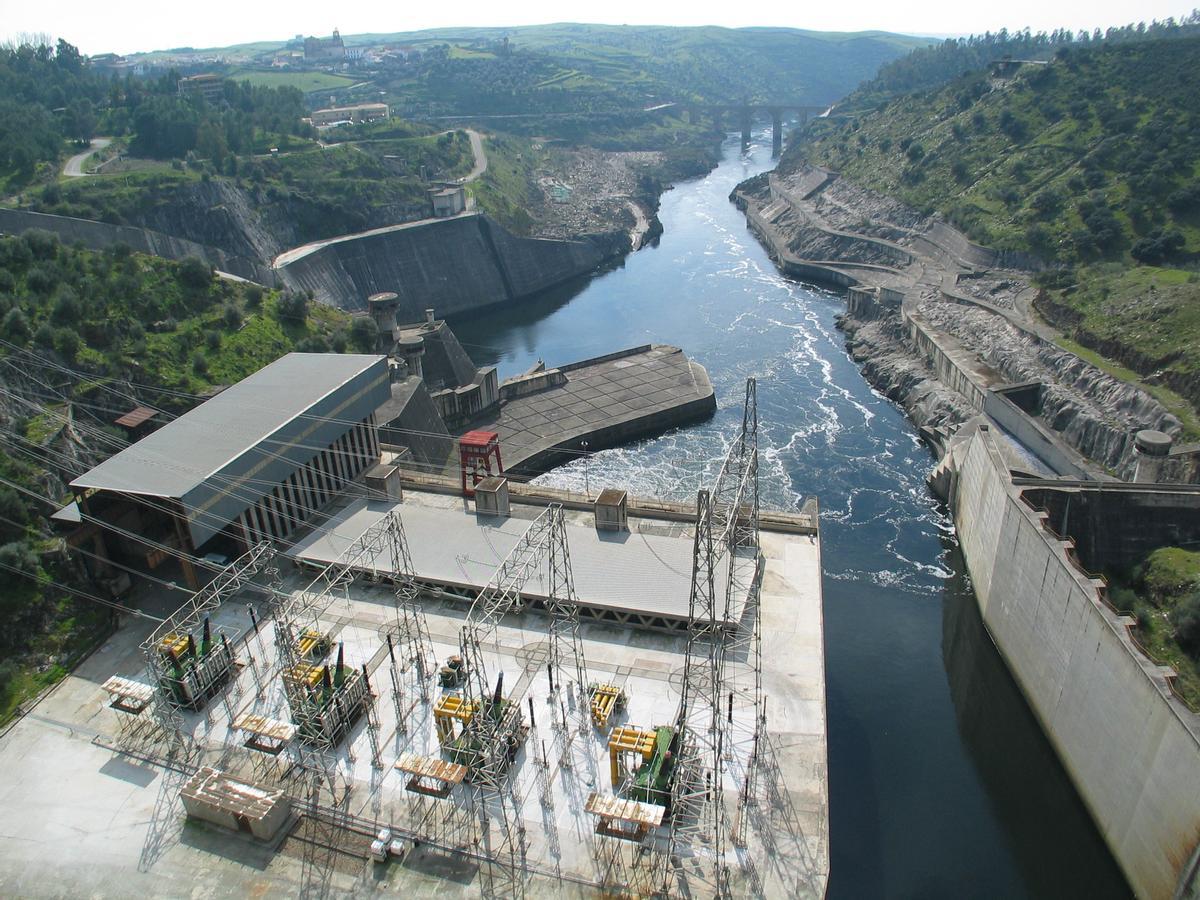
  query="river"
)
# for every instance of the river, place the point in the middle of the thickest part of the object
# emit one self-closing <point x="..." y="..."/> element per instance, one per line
<point x="941" y="783"/>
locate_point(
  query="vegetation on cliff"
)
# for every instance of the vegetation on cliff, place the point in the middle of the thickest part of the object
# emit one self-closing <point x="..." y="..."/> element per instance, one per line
<point x="1163" y="593"/>
<point x="1087" y="163"/>
<point x="83" y="336"/>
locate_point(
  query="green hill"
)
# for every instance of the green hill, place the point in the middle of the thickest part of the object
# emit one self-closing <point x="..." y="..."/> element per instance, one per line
<point x="1088" y="162"/>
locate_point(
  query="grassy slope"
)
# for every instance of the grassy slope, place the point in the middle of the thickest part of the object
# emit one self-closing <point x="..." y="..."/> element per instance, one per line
<point x="46" y="629"/>
<point x="1075" y="163"/>
<point x="305" y="81"/>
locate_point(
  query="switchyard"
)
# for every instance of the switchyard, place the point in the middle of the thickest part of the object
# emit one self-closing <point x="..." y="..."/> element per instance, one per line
<point x="543" y="696"/>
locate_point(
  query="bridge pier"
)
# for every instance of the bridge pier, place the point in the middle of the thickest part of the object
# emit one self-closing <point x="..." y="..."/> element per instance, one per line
<point x="776" y="132"/>
<point x="744" y="113"/>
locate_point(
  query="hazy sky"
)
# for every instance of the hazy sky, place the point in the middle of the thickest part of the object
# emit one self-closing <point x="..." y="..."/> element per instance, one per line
<point x="127" y="26"/>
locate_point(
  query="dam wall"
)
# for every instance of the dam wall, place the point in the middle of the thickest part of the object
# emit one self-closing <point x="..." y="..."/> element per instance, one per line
<point x="1129" y="745"/>
<point x="102" y="235"/>
<point x="452" y="265"/>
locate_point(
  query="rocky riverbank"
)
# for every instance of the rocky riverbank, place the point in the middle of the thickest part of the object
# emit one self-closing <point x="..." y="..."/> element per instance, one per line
<point x="945" y="290"/>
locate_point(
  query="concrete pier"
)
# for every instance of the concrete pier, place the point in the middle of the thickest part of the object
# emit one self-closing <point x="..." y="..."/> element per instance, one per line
<point x="603" y="401"/>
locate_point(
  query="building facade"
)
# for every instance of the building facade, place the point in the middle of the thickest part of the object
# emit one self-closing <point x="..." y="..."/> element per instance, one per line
<point x="251" y="464"/>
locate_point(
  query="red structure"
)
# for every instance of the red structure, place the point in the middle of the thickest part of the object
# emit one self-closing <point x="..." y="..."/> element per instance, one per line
<point x="475" y="452"/>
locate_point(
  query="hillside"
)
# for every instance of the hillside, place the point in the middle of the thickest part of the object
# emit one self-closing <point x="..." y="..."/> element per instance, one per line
<point x="1086" y="163"/>
<point x="85" y="337"/>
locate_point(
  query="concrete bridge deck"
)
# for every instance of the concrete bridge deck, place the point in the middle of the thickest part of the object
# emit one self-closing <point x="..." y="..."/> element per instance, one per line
<point x="605" y="401"/>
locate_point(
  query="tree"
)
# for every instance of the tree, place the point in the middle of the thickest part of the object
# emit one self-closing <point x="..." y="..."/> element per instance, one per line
<point x="363" y="334"/>
<point x="194" y="274"/>
<point x="13" y="514"/>
<point x="233" y="317"/>
<point x="16" y="326"/>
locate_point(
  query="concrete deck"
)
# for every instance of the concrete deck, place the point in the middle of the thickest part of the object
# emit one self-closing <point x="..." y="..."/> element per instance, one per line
<point x="645" y="572"/>
<point x="82" y="819"/>
<point x="606" y="401"/>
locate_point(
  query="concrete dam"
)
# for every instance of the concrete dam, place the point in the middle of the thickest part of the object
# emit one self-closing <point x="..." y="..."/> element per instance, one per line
<point x="453" y="265"/>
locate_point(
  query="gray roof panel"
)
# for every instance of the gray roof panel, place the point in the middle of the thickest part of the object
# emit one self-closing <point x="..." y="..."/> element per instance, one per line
<point x="187" y="451"/>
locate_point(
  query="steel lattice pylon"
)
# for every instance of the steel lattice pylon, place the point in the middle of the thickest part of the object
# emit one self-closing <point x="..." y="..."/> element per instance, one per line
<point x="412" y="640"/>
<point x="498" y="726"/>
<point x="723" y="664"/>
<point x="697" y="811"/>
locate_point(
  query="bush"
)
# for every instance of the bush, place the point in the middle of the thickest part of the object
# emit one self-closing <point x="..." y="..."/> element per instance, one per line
<point x="1186" y="620"/>
<point x="233" y="317"/>
<point x="67" y="342"/>
<point x="16" y="326"/>
<point x="44" y="336"/>
<point x="292" y="308"/>
<point x="1157" y="248"/>
<point x="363" y="334"/>
<point x="254" y="296"/>
<point x="212" y="339"/>
<point x="13" y="514"/>
<point x="194" y="274"/>
<point x="66" y="308"/>
<point x="200" y="363"/>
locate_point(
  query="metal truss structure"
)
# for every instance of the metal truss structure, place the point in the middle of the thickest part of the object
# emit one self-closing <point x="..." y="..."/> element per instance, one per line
<point x="200" y="680"/>
<point x="410" y="639"/>
<point x="497" y="728"/>
<point x="727" y="529"/>
<point x="322" y="724"/>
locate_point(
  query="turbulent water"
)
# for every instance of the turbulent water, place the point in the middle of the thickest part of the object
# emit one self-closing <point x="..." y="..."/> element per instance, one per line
<point x="941" y="783"/>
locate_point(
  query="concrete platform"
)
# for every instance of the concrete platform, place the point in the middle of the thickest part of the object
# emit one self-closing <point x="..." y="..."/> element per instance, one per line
<point x="605" y="401"/>
<point x="640" y="577"/>
<point x="80" y="818"/>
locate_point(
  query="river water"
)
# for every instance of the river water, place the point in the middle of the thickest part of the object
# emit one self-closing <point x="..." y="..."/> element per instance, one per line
<point x="941" y="783"/>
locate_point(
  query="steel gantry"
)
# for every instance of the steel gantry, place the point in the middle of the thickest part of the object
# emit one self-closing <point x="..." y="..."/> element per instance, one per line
<point x="495" y="728"/>
<point x="185" y="669"/>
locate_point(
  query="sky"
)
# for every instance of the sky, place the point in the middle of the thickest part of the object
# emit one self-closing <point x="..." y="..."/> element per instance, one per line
<point x="130" y="26"/>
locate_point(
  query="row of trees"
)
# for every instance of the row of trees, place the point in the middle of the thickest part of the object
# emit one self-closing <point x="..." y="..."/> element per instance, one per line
<point x="928" y="67"/>
<point x="49" y="95"/>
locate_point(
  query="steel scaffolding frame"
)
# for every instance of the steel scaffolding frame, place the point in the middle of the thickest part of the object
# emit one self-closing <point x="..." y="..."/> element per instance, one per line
<point x="498" y="726"/>
<point x="727" y="526"/>
<point x="227" y="583"/>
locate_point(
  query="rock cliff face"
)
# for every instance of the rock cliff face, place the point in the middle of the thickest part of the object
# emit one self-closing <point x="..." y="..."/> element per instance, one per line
<point x="812" y="222"/>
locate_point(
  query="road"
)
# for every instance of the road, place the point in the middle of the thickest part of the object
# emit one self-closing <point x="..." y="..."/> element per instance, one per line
<point x="478" y="169"/>
<point x="74" y="166"/>
<point x="480" y="157"/>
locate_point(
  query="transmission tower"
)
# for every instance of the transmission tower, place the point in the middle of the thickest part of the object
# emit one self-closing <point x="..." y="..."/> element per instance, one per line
<point x="697" y="813"/>
<point x="491" y="738"/>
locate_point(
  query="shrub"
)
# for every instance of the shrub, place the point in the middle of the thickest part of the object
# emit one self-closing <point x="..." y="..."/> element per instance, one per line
<point x="212" y="339"/>
<point x="16" y="326"/>
<point x="363" y="333"/>
<point x="194" y="274"/>
<point x="232" y="317"/>
<point x="200" y="363"/>
<point x="1186" y="620"/>
<point x="292" y="307"/>
<point x="1157" y="248"/>
<point x="66" y="342"/>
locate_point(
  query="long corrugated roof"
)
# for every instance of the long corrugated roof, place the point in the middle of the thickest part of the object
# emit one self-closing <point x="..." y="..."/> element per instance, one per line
<point x="185" y="452"/>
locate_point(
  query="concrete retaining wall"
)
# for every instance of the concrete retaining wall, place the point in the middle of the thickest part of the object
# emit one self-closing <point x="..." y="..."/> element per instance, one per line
<point x="453" y="265"/>
<point x="1031" y="433"/>
<point x="950" y="368"/>
<point x="101" y="235"/>
<point x="1129" y="746"/>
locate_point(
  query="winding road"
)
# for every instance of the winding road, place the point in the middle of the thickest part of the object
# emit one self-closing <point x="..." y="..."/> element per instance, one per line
<point x="74" y="165"/>
<point x="478" y="169"/>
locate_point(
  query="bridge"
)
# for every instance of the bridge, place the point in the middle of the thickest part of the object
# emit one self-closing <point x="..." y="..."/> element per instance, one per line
<point x="746" y="110"/>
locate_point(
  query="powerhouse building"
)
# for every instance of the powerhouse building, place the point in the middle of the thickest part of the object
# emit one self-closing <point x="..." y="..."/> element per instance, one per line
<point x="251" y="464"/>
